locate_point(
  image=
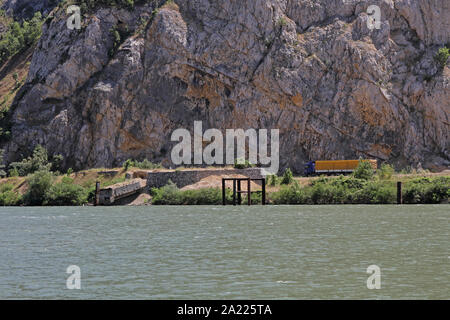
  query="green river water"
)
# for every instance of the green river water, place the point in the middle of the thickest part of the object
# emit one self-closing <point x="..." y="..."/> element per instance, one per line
<point x="271" y="252"/>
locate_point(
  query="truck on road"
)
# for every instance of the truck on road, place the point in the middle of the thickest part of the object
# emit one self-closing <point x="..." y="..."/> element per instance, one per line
<point x="331" y="167"/>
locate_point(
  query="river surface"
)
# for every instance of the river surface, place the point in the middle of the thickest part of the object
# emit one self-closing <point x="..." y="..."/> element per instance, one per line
<point x="272" y="252"/>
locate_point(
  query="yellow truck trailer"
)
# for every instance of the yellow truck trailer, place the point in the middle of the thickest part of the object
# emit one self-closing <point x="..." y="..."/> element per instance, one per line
<point x="335" y="166"/>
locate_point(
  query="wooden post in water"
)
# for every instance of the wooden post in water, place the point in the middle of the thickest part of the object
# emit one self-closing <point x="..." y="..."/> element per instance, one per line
<point x="263" y="192"/>
<point x="234" y="192"/>
<point x="224" y="199"/>
<point x="249" y="195"/>
<point x="239" y="189"/>
<point x="97" y="193"/>
<point x="399" y="193"/>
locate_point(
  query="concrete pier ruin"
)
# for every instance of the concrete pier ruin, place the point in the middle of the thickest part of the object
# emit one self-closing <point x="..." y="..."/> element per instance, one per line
<point x="143" y="180"/>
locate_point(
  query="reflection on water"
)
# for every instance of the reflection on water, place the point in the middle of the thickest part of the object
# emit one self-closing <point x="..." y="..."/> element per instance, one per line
<point x="273" y="252"/>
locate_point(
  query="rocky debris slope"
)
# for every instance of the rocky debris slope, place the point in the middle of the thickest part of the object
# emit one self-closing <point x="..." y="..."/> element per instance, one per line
<point x="311" y="68"/>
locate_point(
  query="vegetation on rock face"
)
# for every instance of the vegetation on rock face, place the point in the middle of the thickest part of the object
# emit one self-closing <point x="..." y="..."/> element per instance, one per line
<point x="89" y="5"/>
<point x="37" y="162"/>
<point x="442" y="56"/>
<point x="2" y="166"/>
<point x="20" y="36"/>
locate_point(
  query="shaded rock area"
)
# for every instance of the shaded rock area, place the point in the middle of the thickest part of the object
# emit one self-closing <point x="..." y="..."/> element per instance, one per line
<point x="311" y="68"/>
<point x="24" y="9"/>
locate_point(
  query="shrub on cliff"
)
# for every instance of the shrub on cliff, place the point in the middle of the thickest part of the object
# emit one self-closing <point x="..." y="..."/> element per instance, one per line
<point x="38" y="161"/>
<point x="2" y="166"/>
<point x="20" y="36"/>
<point x="442" y="56"/>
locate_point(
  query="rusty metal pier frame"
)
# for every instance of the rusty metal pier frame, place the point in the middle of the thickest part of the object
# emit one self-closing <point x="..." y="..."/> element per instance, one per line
<point x="237" y="190"/>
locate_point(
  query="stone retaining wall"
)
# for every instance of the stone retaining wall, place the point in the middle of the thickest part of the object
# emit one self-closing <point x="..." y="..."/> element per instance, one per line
<point x="188" y="177"/>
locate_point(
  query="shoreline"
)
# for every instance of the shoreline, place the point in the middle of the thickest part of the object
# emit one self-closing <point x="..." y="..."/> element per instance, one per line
<point x="78" y="190"/>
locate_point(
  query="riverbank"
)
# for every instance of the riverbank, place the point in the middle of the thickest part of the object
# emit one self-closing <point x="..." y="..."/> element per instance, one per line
<point x="77" y="189"/>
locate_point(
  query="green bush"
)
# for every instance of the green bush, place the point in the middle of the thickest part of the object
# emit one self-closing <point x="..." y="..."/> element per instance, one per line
<point x="342" y="190"/>
<point x="211" y="196"/>
<point x="2" y="166"/>
<point x="167" y="195"/>
<point x="385" y="172"/>
<point x="8" y="197"/>
<point x="171" y="195"/>
<point x="66" y="193"/>
<point x="14" y="172"/>
<point x="273" y="180"/>
<point x="442" y="56"/>
<point x="376" y="193"/>
<point x="128" y="164"/>
<point x="348" y="182"/>
<point x="242" y="164"/>
<point x="427" y="190"/>
<point x="363" y="171"/>
<point x="291" y="195"/>
<point x="20" y="36"/>
<point x="327" y="193"/>
<point x="38" y="186"/>
<point x="287" y="177"/>
<point x="37" y="162"/>
<point x="145" y="164"/>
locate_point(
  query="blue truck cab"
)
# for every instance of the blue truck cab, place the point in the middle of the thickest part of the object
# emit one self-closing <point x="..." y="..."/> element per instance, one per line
<point x="310" y="168"/>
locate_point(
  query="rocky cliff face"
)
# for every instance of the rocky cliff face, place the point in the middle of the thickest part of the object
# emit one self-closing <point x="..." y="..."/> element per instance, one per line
<point x="24" y="9"/>
<point x="311" y="68"/>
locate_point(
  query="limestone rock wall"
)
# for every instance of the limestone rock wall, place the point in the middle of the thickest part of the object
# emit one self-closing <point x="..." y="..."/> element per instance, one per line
<point x="311" y="68"/>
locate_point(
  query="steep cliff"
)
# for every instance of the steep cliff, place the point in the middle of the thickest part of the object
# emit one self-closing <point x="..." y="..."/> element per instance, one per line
<point x="117" y="88"/>
<point x="24" y="9"/>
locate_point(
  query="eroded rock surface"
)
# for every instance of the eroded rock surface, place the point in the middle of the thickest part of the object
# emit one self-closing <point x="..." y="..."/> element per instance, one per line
<point x="311" y="68"/>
